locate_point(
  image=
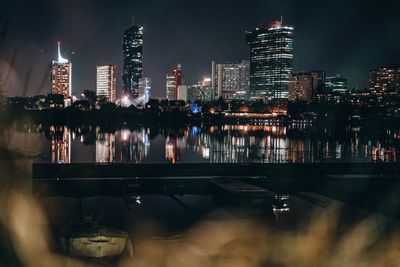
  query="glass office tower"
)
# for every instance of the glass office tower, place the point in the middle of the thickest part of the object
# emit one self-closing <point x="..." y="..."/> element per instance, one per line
<point x="271" y="61"/>
<point x="133" y="59"/>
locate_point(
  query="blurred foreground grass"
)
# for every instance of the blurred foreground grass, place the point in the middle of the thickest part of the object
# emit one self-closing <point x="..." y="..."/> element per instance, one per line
<point x="27" y="242"/>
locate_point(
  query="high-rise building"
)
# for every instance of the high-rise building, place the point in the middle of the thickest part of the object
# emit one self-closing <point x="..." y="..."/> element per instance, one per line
<point x="301" y="87"/>
<point x="319" y="78"/>
<point x="233" y="80"/>
<point x="61" y="75"/>
<point x="213" y="79"/>
<point x="173" y="81"/>
<point x="170" y="84"/>
<point x="182" y="93"/>
<point x="106" y="82"/>
<point x="144" y="89"/>
<point x="336" y="84"/>
<point x="271" y="60"/>
<point x="133" y="59"/>
<point x="385" y="78"/>
<point x="200" y="92"/>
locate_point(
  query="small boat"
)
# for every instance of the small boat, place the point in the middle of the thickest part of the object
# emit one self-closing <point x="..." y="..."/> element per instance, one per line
<point x="89" y="239"/>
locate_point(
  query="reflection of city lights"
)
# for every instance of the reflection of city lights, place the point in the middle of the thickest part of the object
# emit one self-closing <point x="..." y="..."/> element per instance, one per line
<point x="125" y="135"/>
<point x="205" y="152"/>
<point x="280" y="205"/>
<point x="169" y="151"/>
<point x="195" y="130"/>
<point x="137" y="199"/>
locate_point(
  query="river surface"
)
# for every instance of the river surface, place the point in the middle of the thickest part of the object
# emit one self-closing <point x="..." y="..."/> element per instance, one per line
<point x="291" y="143"/>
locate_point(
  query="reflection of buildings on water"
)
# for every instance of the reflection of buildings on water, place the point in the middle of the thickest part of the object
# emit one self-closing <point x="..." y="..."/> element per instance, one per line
<point x="270" y="144"/>
<point x="280" y="205"/>
<point x="172" y="150"/>
<point x="135" y="146"/>
<point x="303" y="151"/>
<point x="242" y="143"/>
<point x="60" y="150"/>
<point x="105" y="147"/>
<point x="383" y="154"/>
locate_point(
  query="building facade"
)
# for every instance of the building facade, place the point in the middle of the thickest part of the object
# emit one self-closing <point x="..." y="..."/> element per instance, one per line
<point x="173" y="80"/>
<point x="133" y="59"/>
<point x="233" y="80"/>
<point x="182" y="93"/>
<point x="170" y="85"/>
<point x="336" y="84"/>
<point x="214" y="80"/>
<point x="385" y="78"/>
<point x="106" y="83"/>
<point x="319" y="79"/>
<point x="271" y="61"/>
<point x="61" y="75"/>
<point x="301" y="87"/>
<point x="200" y="92"/>
<point x="145" y="89"/>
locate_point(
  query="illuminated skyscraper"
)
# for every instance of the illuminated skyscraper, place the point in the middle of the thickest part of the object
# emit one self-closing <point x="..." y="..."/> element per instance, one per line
<point x="173" y="81"/>
<point x="106" y="82"/>
<point x="233" y="80"/>
<point x="133" y="59"/>
<point x="170" y="85"/>
<point x="271" y="60"/>
<point x="144" y="89"/>
<point x="61" y="75"/>
<point x="385" y="78"/>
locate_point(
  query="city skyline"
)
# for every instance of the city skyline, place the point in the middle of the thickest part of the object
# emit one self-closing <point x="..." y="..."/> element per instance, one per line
<point x="321" y="41"/>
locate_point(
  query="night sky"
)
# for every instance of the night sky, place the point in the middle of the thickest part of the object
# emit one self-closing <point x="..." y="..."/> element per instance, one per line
<point x="336" y="36"/>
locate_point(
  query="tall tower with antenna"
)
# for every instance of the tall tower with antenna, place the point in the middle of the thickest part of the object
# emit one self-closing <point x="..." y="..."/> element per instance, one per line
<point x="61" y="75"/>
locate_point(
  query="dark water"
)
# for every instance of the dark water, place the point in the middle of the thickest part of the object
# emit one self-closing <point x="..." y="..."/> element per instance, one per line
<point x="293" y="212"/>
